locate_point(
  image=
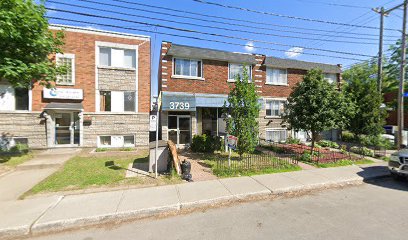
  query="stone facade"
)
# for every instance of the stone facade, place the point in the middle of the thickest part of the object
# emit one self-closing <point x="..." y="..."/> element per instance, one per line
<point x="116" y="124"/>
<point x="111" y="79"/>
<point x="25" y="125"/>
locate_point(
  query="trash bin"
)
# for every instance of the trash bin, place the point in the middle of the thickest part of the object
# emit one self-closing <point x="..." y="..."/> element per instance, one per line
<point x="185" y="171"/>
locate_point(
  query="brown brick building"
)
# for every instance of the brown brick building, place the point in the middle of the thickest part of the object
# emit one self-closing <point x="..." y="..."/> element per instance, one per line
<point x="103" y="100"/>
<point x="194" y="83"/>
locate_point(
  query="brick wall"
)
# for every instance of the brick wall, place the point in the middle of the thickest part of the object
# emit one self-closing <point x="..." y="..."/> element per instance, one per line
<point x="83" y="46"/>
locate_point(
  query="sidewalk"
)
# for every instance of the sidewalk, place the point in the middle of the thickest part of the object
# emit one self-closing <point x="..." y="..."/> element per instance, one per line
<point x="44" y="215"/>
<point x="28" y="174"/>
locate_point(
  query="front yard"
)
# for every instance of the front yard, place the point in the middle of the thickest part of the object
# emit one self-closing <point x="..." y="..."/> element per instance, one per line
<point x="94" y="171"/>
<point x="9" y="162"/>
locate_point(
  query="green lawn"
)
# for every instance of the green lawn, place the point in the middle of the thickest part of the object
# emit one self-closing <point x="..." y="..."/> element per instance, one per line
<point x="82" y="172"/>
<point x="12" y="161"/>
<point x="240" y="168"/>
<point x="342" y="163"/>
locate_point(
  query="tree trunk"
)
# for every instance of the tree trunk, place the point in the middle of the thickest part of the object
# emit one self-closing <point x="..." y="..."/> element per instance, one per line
<point x="312" y="146"/>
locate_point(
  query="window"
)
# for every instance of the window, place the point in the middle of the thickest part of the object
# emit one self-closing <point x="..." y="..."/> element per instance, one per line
<point x="274" y="108"/>
<point x="129" y="102"/>
<point x="21" y="96"/>
<point x="129" y="140"/>
<point x="105" y="140"/>
<point x="276" y="135"/>
<point x="330" y="77"/>
<point x="105" y="101"/>
<point x="187" y="67"/>
<point x="276" y="76"/>
<point x="67" y="60"/>
<point x="12" y="99"/>
<point x="238" y="69"/>
<point x="115" y="57"/>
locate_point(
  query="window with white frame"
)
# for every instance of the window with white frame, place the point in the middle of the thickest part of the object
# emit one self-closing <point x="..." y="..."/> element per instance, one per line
<point x="276" y="76"/>
<point x="105" y="141"/>
<point x="187" y="67"/>
<point x="274" y="108"/>
<point x="116" y="57"/>
<point x="68" y="61"/>
<point x="276" y="135"/>
<point x="330" y="77"/>
<point x="117" y="101"/>
<point x="235" y="70"/>
<point x="129" y="140"/>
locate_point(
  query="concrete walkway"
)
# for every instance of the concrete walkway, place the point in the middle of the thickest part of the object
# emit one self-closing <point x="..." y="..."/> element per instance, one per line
<point x="40" y="215"/>
<point x="28" y="174"/>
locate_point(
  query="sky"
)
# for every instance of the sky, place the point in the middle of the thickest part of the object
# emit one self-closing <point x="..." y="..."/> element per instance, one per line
<point x="259" y="38"/>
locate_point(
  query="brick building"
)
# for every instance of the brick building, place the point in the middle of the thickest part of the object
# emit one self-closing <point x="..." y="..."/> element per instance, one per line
<point x="103" y="100"/>
<point x="194" y="83"/>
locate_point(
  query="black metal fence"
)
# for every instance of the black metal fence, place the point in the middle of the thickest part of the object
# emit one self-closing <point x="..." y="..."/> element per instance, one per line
<point x="258" y="161"/>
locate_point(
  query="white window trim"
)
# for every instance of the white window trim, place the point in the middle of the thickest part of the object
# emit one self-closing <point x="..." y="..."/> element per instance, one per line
<point x="273" y="99"/>
<point x="118" y="46"/>
<point x="276" y="129"/>
<point x="327" y="79"/>
<point x="276" y="84"/>
<point x="249" y="74"/>
<point x="173" y="75"/>
<point x="99" y="44"/>
<point x="72" y="57"/>
<point x="129" y="145"/>
<point x="30" y="101"/>
<point x="99" y="144"/>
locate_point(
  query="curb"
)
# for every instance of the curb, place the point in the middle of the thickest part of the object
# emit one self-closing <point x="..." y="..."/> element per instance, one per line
<point x="179" y="208"/>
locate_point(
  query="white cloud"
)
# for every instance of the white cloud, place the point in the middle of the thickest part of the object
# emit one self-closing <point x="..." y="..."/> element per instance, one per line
<point x="294" y="52"/>
<point x="250" y="47"/>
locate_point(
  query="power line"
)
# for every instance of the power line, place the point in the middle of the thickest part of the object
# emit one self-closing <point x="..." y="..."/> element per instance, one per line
<point x="191" y="37"/>
<point x="287" y="16"/>
<point x="335" y="4"/>
<point x="262" y="24"/>
<point x="207" y="26"/>
<point x="200" y="32"/>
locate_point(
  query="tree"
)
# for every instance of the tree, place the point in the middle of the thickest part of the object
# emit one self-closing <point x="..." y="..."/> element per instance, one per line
<point x="243" y="108"/>
<point x="26" y="43"/>
<point x="315" y="105"/>
<point x="361" y="89"/>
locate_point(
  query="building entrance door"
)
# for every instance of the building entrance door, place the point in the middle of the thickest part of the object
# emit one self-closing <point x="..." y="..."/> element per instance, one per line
<point x="179" y="129"/>
<point x="67" y="128"/>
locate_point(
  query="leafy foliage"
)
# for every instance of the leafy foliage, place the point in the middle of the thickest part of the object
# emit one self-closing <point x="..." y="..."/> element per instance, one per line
<point x="206" y="144"/>
<point x="362" y="150"/>
<point x="315" y="106"/>
<point x="26" y="43"/>
<point x="291" y="140"/>
<point x="243" y="107"/>
<point x="361" y="89"/>
<point x="347" y="136"/>
<point x="327" y="143"/>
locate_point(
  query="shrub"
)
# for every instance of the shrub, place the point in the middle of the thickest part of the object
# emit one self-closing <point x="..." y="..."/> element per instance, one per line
<point x="362" y="151"/>
<point x="377" y="141"/>
<point x="101" y="149"/>
<point x="306" y="157"/>
<point x="19" y="148"/>
<point x="206" y="144"/>
<point x="292" y="140"/>
<point x="327" y="143"/>
<point x="347" y="136"/>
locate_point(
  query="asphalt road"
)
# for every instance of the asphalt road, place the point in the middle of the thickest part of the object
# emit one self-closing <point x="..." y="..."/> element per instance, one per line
<point x="377" y="210"/>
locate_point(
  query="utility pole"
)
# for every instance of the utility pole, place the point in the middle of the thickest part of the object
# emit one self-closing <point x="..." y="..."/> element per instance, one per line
<point x="402" y="78"/>
<point x="382" y="13"/>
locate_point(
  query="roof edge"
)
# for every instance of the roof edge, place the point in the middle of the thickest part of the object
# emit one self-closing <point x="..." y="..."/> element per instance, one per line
<point x="98" y="32"/>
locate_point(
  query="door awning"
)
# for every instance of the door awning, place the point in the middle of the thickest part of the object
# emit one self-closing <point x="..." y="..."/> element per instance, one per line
<point x="180" y="101"/>
<point x="64" y="106"/>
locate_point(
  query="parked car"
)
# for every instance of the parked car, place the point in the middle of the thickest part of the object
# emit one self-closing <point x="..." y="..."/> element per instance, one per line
<point x="398" y="164"/>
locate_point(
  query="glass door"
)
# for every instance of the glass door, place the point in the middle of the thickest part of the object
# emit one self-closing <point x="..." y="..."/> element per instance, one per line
<point x="179" y="129"/>
<point x="183" y="130"/>
<point x="67" y="126"/>
<point x="63" y="122"/>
